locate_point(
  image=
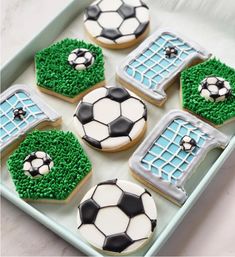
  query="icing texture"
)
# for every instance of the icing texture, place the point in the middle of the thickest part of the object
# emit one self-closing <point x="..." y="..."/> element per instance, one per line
<point x="110" y="117"/>
<point x="129" y="205"/>
<point x="217" y="112"/>
<point x="172" y="151"/>
<point x="118" y="22"/>
<point x="157" y="61"/>
<point x="21" y="110"/>
<point x="66" y="174"/>
<point x="54" y="72"/>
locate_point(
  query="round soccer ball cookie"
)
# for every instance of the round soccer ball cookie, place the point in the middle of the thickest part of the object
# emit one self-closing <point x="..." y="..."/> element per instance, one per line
<point x="215" y="89"/>
<point x="37" y="164"/>
<point x="81" y="59"/>
<point x="117" y="216"/>
<point x="117" y="23"/>
<point x="187" y="143"/>
<point x="111" y="118"/>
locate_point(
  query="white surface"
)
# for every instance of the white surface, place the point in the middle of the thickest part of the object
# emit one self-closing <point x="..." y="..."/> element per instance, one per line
<point x="209" y="227"/>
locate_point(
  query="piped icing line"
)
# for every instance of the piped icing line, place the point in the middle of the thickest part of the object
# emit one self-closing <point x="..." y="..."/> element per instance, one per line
<point x="150" y="58"/>
<point x="207" y="139"/>
<point x="22" y="96"/>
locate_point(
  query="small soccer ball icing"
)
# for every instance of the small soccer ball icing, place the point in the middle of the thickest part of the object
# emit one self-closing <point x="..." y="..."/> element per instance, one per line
<point x="187" y="143"/>
<point x="110" y="118"/>
<point x="215" y="89"/>
<point x="170" y="51"/>
<point x="117" y="216"/>
<point x="37" y="164"/>
<point x="19" y="113"/>
<point x="117" y="23"/>
<point x="81" y="59"/>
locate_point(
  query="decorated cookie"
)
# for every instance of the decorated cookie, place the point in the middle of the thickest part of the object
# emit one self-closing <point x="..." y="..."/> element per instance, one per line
<point x="172" y="151"/>
<point x="117" y="23"/>
<point x="42" y="170"/>
<point x="110" y="118"/>
<point x="208" y="90"/>
<point x="120" y="221"/>
<point x="69" y="69"/>
<point x="21" y="111"/>
<point x="157" y="62"/>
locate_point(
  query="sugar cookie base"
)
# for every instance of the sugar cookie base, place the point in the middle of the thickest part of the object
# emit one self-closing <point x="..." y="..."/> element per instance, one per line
<point x="41" y="125"/>
<point x="122" y="45"/>
<point x="69" y="99"/>
<point x="53" y="201"/>
<point x="148" y="184"/>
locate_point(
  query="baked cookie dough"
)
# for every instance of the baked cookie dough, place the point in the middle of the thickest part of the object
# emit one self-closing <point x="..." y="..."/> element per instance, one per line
<point x="21" y="111"/>
<point x="43" y="171"/>
<point x="154" y="65"/>
<point x="117" y="216"/>
<point x="69" y="69"/>
<point x="208" y="90"/>
<point x="117" y="23"/>
<point x="111" y="118"/>
<point x="172" y="151"/>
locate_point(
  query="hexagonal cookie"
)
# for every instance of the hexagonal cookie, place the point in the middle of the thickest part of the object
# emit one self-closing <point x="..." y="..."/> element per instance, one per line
<point x="69" y="69"/>
<point x="42" y="170"/>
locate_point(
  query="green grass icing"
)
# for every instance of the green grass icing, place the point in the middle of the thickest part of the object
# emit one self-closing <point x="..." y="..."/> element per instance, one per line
<point x="71" y="165"/>
<point x="215" y="112"/>
<point x="54" y="73"/>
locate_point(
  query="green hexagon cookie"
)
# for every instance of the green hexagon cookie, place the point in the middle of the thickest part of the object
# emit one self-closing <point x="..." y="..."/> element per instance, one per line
<point x="48" y="166"/>
<point x="208" y="90"/>
<point x="69" y="69"/>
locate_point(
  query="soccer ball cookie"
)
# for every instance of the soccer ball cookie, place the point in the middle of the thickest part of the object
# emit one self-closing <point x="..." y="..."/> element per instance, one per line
<point x="21" y="111"/>
<point x="156" y="63"/>
<point x="69" y="69"/>
<point x="117" y="23"/>
<point x="42" y="170"/>
<point x="117" y="216"/>
<point x="172" y="151"/>
<point x="208" y="90"/>
<point x="111" y="118"/>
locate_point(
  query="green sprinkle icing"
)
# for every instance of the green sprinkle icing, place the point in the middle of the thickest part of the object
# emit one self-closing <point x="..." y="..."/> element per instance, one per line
<point x="71" y="165"/>
<point x="54" y="73"/>
<point x="215" y="112"/>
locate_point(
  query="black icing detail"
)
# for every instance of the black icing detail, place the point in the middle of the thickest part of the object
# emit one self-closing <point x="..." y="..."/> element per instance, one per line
<point x="127" y="11"/>
<point x="220" y="84"/>
<point x="88" y="211"/>
<point x="93" y="12"/>
<point x="192" y="142"/>
<point x="19" y="113"/>
<point x="117" y="243"/>
<point x="92" y="142"/>
<point x="108" y="182"/>
<point x="131" y="204"/>
<point x="153" y="224"/>
<point x="170" y="51"/>
<point x="147" y="192"/>
<point x="118" y="94"/>
<point x="141" y="29"/>
<point x="120" y="127"/>
<point x="84" y="113"/>
<point x="111" y="34"/>
<point x="145" y="112"/>
<point x="144" y="4"/>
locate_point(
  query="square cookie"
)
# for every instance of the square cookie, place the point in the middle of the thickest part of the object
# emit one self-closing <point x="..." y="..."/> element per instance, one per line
<point x="169" y="155"/>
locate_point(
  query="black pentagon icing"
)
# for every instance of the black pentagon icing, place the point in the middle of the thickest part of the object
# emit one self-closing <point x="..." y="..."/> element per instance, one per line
<point x="108" y="182"/>
<point x="131" y="204"/>
<point x="204" y="85"/>
<point x="93" y="12"/>
<point x="193" y="142"/>
<point x="118" y="94"/>
<point x="31" y="157"/>
<point x="127" y="11"/>
<point x="120" y="127"/>
<point x="220" y="84"/>
<point x="141" y="29"/>
<point x="153" y="224"/>
<point x="84" y="113"/>
<point x="112" y="34"/>
<point x="93" y="142"/>
<point x="88" y="211"/>
<point x="117" y="243"/>
<point x="34" y="172"/>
